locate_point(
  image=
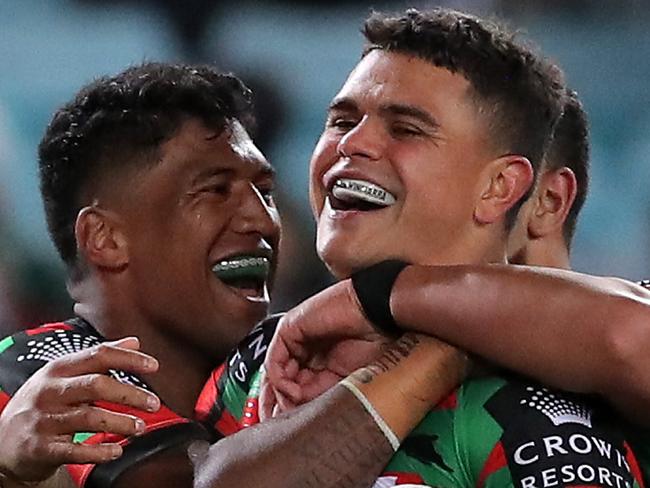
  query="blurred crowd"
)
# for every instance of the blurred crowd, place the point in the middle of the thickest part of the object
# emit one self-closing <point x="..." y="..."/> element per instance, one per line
<point x="293" y="55"/>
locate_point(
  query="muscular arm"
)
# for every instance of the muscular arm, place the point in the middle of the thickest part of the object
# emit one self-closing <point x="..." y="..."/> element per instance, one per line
<point x="572" y="331"/>
<point x="333" y="440"/>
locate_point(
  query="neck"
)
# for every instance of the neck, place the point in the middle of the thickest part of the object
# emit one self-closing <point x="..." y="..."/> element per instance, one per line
<point x="550" y="252"/>
<point x="183" y="370"/>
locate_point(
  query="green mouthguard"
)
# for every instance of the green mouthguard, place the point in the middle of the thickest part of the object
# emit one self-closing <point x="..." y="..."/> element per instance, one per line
<point x="244" y="267"/>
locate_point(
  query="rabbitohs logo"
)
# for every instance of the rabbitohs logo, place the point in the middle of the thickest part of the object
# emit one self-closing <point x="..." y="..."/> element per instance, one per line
<point x="555" y="439"/>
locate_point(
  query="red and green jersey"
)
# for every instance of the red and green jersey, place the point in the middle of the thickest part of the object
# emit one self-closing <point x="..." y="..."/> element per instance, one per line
<point x="228" y="402"/>
<point x="496" y="432"/>
<point x="24" y="353"/>
<point x="491" y="432"/>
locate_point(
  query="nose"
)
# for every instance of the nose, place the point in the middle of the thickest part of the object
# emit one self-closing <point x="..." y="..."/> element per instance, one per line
<point x="255" y="215"/>
<point x="366" y="140"/>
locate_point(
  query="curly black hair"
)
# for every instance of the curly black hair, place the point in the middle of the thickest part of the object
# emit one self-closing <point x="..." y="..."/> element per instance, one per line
<point x="122" y="120"/>
<point x="520" y="92"/>
<point x="569" y="147"/>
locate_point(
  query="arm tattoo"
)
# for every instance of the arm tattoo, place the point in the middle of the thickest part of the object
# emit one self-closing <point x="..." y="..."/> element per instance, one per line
<point x="349" y="451"/>
<point x="392" y="356"/>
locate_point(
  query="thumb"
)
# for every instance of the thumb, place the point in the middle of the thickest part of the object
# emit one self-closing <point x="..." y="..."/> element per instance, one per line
<point x="130" y="342"/>
<point x="266" y="398"/>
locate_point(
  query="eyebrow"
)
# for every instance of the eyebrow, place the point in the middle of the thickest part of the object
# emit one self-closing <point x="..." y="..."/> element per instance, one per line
<point x="211" y="173"/>
<point x="346" y="104"/>
<point x="410" y="111"/>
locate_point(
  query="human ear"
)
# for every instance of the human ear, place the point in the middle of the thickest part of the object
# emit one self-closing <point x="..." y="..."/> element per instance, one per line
<point x="100" y="239"/>
<point x="555" y="196"/>
<point x="507" y="180"/>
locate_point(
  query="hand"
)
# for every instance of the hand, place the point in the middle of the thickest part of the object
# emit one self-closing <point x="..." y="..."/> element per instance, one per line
<point x="38" y="423"/>
<point x="317" y="344"/>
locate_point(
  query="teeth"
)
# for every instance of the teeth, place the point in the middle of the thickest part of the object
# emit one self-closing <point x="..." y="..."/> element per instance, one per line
<point x="243" y="262"/>
<point x="347" y="189"/>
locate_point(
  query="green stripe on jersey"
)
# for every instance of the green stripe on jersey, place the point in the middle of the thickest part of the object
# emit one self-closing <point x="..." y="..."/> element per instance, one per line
<point x="234" y="398"/>
<point x="6" y="343"/>
<point x="79" y="437"/>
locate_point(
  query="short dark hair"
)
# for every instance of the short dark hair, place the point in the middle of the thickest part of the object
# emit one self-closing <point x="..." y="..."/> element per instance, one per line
<point x="520" y="91"/>
<point x="569" y="147"/>
<point x="121" y="121"/>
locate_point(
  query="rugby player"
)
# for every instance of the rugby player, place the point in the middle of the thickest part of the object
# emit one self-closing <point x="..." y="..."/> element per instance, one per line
<point x="359" y="153"/>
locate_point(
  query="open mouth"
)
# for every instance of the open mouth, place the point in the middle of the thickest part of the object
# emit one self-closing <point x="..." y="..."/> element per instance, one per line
<point x="247" y="274"/>
<point x="361" y="195"/>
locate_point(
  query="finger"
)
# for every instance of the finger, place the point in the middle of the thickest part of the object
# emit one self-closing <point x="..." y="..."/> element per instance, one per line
<point x="279" y="364"/>
<point x="289" y="389"/>
<point x="70" y="453"/>
<point x="105" y="356"/>
<point x="318" y="384"/>
<point x="131" y="342"/>
<point x="287" y="342"/>
<point x="266" y="401"/>
<point x="284" y="403"/>
<point x="99" y="387"/>
<point x="276" y="411"/>
<point x="95" y="419"/>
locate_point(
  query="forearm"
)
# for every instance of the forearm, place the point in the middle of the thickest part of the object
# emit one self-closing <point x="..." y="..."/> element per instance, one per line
<point x="334" y="440"/>
<point x="572" y="331"/>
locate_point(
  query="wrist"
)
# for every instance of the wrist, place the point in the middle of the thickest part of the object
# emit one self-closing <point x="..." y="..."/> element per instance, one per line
<point x="373" y="287"/>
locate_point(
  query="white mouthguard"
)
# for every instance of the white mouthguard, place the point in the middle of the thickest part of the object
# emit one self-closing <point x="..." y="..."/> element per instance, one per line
<point x="348" y="190"/>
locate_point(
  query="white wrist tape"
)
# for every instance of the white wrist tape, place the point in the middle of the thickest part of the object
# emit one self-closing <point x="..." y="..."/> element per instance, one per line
<point x="381" y="423"/>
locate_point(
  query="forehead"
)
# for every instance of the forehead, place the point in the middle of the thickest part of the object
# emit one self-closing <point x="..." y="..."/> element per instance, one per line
<point x="382" y="77"/>
<point x="195" y="146"/>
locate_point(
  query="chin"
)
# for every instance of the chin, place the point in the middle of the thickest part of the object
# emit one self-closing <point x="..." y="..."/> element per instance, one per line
<point x="340" y="262"/>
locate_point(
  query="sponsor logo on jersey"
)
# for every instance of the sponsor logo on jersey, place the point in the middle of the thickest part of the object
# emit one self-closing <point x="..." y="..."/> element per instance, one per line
<point x="555" y="439"/>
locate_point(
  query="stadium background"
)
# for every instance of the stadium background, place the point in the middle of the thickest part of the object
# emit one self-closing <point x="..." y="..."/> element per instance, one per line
<point x="295" y="55"/>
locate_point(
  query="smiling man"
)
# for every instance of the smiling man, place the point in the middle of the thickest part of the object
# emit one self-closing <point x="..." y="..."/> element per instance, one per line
<point x="160" y="206"/>
<point x="428" y="151"/>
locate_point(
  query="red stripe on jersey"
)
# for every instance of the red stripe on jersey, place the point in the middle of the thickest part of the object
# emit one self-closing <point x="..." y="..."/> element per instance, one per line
<point x="4" y="399"/>
<point x="227" y="424"/>
<point x="634" y="465"/>
<point x="448" y="403"/>
<point x="403" y="478"/>
<point x="208" y="396"/>
<point x="495" y="461"/>
<point x="48" y="328"/>
<point x="153" y="420"/>
<point x="79" y="473"/>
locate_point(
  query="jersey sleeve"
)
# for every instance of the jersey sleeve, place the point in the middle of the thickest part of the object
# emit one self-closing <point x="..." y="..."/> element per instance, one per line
<point x="229" y="400"/>
<point x="24" y="353"/>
